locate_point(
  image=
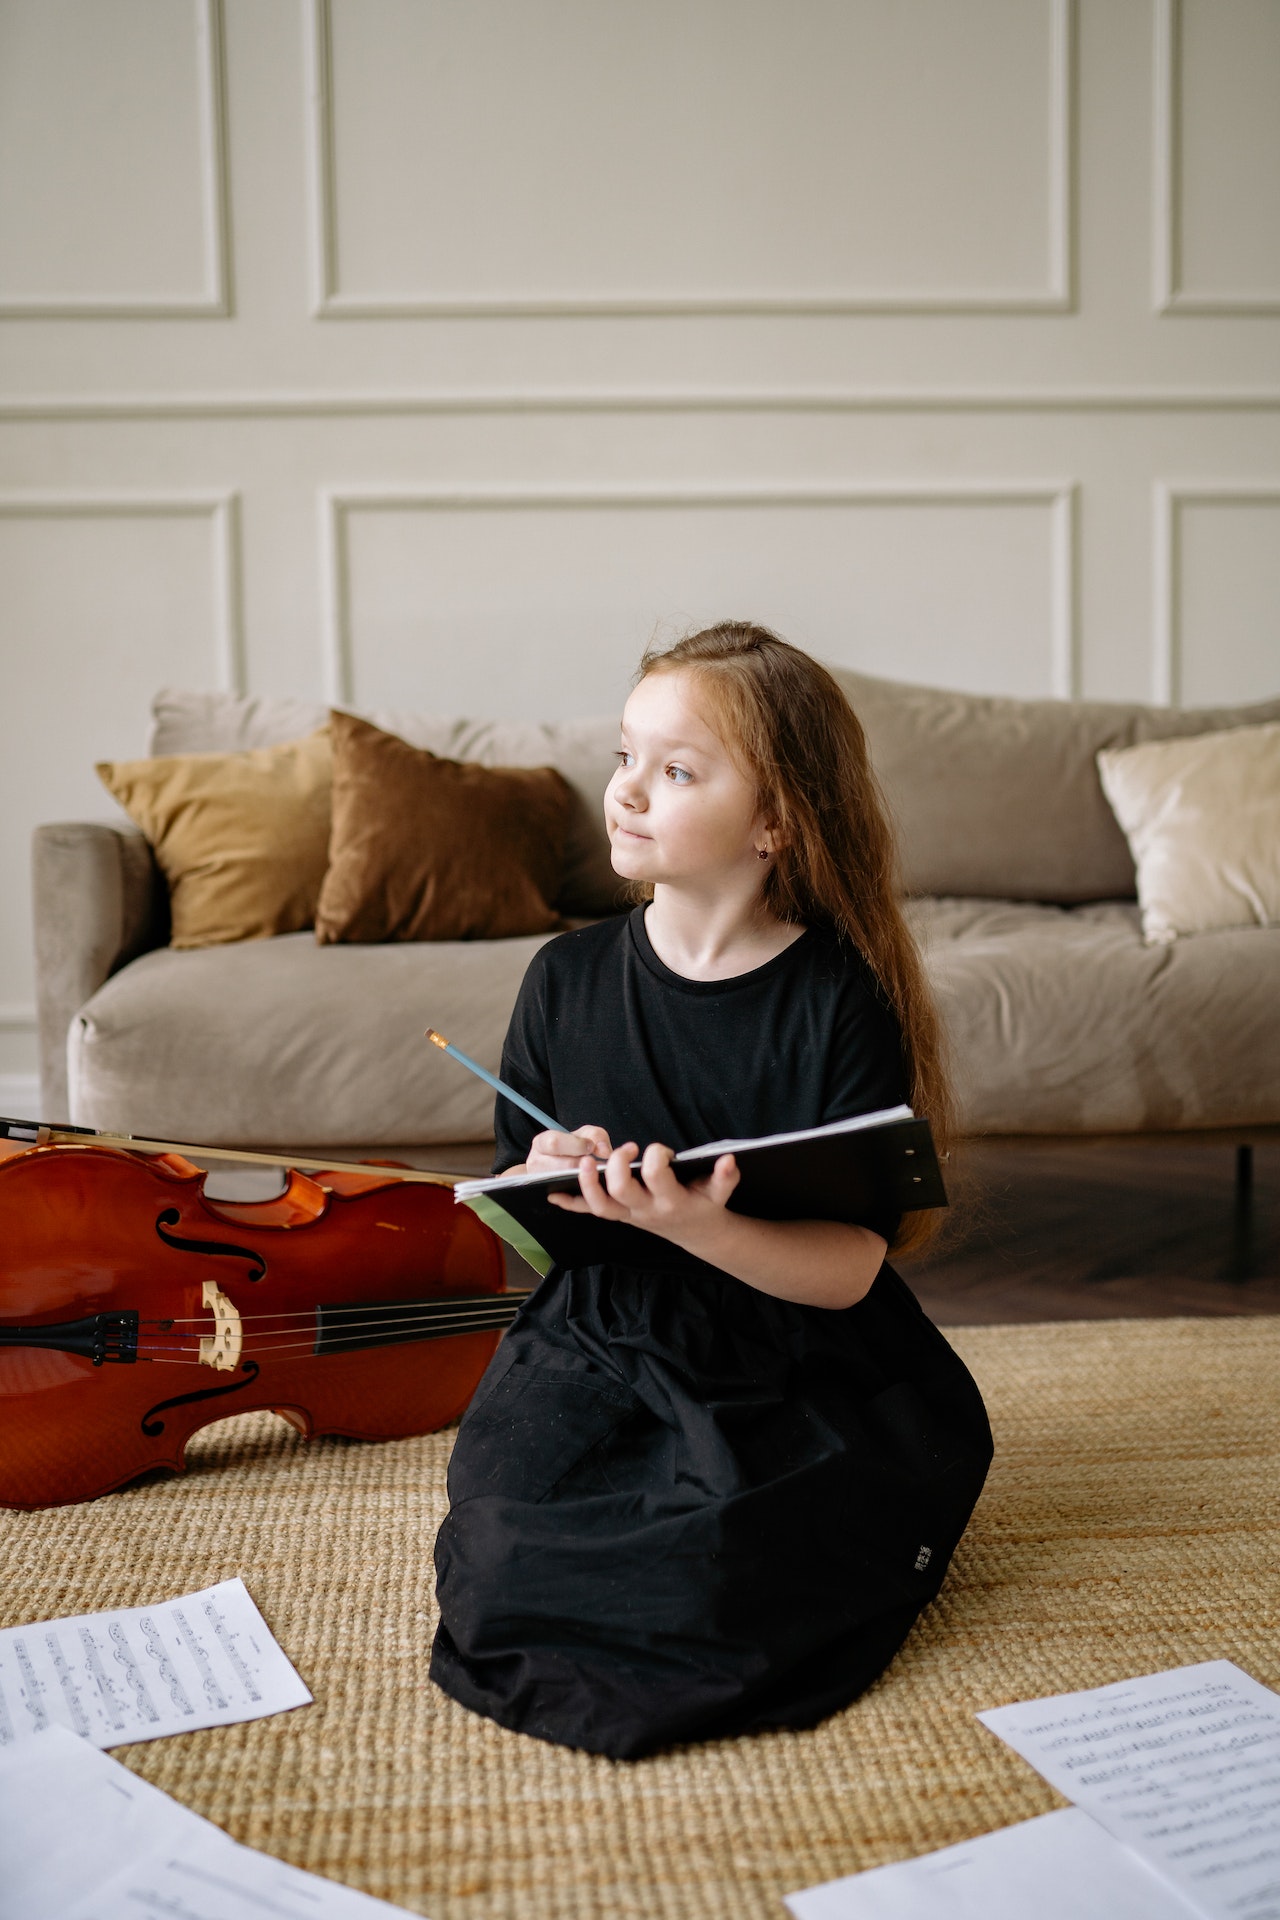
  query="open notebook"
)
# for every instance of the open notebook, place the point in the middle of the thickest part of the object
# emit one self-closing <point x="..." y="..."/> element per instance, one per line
<point x="853" y="1170"/>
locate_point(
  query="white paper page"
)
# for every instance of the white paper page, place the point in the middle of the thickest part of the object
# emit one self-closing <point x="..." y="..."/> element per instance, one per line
<point x="68" y="1815"/>
<point x="82" y="1838"/>
<point x="205" y="1660"/>
<point x="1061" y="1866"/>
<point x="1184" y="1766"/>
<point x="214" y="1879"/>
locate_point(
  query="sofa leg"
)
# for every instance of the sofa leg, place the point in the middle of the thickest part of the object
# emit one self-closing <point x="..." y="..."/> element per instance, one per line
<point x="1240" y="1260"/>
<point x="1244" y="1175"/>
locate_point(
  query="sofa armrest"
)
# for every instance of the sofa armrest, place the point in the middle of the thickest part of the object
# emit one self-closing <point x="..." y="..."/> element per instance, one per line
<point x="100" y="900"/>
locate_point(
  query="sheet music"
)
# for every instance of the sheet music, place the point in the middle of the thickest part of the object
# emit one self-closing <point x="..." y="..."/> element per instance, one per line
<point x="204" y="1660"/>
<point x="1061" y="1866"/>
<point x="1183" y="1766"/>
<point x="82" y="1838"/>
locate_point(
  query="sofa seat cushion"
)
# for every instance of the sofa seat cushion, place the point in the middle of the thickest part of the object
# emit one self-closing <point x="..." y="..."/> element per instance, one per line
<point x="283" y="1042"/>
<point x="1062" y="1021"/>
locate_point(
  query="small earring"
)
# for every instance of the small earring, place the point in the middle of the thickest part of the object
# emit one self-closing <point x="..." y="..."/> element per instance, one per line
<point x="763" y="852"/>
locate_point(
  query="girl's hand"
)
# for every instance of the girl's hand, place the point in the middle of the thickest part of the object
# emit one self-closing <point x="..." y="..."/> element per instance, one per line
<point x="661" y="1205"/>
<point x="562" y="1152"/>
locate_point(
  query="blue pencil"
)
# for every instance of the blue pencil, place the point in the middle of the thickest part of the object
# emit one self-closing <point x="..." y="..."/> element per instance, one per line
<point x="499" y="1086"/>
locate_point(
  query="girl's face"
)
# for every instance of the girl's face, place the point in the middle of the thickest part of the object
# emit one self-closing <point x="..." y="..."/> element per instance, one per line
<point x="679" y="808"/>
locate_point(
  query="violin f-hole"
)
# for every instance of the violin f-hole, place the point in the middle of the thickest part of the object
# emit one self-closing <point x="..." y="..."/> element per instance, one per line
<point x="171" y="1215"/>
<point x="152" y="1427"/>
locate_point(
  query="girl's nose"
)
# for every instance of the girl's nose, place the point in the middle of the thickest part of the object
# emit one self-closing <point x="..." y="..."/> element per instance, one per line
<point x="627" y="791"/>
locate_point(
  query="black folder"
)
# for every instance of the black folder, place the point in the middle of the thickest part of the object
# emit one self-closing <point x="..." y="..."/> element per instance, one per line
<point x="850" y="1170"/>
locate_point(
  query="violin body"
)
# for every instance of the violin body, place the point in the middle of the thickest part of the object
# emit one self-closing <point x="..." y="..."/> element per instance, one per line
<point x="135" y="1310"/>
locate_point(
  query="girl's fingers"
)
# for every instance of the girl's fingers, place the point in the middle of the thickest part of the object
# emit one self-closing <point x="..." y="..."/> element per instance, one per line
<point x="602" y="1204"/>
<point x="724" y="1178"/>
<point x="570" y="1146"/>
<point x="617" y="1173"/>
<point x="655" y="1169"/>
<point x="721" y="1180"/>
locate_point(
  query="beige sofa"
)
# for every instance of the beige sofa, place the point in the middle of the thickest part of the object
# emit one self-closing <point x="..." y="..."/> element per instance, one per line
<point x="1022" y="896"/>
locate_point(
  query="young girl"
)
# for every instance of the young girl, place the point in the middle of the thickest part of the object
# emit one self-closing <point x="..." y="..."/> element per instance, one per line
<point x="713" y="1495"/>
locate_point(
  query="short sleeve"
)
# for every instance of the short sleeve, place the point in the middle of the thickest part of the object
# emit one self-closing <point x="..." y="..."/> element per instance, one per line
<point x="867" y="1068"/>
<point x="524" y="1067"/>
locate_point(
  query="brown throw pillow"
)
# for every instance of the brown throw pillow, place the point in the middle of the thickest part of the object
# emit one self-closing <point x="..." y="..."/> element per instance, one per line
<point x="424" y="848"/>
<point x="241" y="838"/>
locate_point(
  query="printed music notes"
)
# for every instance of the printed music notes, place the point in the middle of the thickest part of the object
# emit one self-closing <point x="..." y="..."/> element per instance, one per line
<point x="204" y="1660"/>
<point x="1184" y="1767"/>
<point x="1176" y="1784"/>
<point x="83" y="1838"/>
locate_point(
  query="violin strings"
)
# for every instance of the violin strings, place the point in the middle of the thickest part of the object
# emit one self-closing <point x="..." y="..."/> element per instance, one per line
<point x="342" y="1328"/>
<point x="303" y="1316"/>
<point x="305" y="1349"/>
<point x="480" y="1318"/>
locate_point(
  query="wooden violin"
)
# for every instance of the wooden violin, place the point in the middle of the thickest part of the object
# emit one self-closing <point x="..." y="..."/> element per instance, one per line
<point x="135" y="1309"/>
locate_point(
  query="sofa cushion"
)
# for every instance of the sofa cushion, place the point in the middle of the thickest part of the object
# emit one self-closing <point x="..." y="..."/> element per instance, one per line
<point x="425" y="848"/>
<point x="283" y="1042"/>
<point x="1061" y="1019"/>
<point x="242" y="838"/>
<point x="1001" y="797"/>
<point x="1203" y="819"/>
<point x="994" y="797"/>
<point x="584" y="751"/>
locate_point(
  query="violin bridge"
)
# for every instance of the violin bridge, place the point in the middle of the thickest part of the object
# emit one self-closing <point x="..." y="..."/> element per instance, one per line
<point x="221" y="1348"/>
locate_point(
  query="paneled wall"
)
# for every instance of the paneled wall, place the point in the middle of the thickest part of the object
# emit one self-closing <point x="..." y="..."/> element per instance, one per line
<point x="440" y="352"/>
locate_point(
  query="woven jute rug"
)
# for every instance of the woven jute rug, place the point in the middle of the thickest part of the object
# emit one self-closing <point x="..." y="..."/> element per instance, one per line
<point x="1131" y="1522"/>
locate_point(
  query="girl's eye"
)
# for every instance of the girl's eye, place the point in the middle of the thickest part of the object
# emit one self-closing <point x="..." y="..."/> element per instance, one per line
<point x="680" y="775"/>
<point x="622" y="756"/>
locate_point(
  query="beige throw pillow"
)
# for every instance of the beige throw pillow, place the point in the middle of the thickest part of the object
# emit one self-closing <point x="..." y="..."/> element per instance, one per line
<point x="1202" y="818"/>
<point x="241" y="838"/>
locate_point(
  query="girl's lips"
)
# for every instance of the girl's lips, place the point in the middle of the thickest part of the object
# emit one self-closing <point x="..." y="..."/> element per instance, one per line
<point x="628" y="833"/>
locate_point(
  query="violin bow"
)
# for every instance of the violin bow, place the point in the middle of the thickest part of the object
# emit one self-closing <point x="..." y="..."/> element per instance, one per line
<point x="36" y="1133"/>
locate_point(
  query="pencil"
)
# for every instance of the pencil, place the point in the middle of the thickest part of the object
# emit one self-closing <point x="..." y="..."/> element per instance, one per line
<point x="499" y="1086"/>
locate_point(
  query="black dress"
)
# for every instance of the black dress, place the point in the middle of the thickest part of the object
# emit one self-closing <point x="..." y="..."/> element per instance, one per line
<point x="681" y="1508"/>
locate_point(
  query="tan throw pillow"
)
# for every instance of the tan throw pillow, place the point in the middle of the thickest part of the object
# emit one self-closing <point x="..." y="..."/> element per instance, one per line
<point x="584" y="751"/>
<point x="1202" y="817"/>
<point x="241" y="838"/>
<point x="424" y="848"/>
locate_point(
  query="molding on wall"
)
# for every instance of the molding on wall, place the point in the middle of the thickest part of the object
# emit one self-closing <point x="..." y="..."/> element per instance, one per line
<point x="17" y="1016"/>
<point x="1168" y="499"/>
<point x="1166" y="251"/>
<point x="339" y="405"/>
<point x="1058" y="296"/>
<point x="336" y="504"/>
<point x="223" y="513"/>
<point x="216" y="301"/>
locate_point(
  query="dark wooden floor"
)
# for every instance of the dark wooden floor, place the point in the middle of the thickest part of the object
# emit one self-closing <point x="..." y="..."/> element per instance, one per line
<point x="1094" y="1230"/>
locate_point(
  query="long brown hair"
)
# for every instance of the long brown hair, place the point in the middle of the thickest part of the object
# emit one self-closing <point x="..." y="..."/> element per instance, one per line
<point x="797" y="737"/>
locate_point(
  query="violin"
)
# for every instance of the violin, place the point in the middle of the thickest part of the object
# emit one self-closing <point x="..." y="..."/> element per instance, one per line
<point x="135" y="1308"/>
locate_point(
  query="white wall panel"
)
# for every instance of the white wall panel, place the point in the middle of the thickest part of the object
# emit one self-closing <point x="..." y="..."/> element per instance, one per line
<point x="111" y="158"/>
<point x="559" y="322"/>
<point x="1217" y="592"/>
<point x="545" y="602"/>
<point x="561" y="155"/>
<point x="103" y="595"/>
<point x="1218" y="155"/>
